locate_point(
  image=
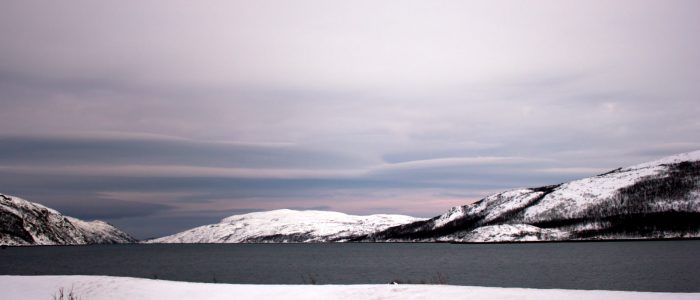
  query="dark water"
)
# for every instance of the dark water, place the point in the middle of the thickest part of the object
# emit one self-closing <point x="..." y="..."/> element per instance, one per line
<point x="671" y="266"/>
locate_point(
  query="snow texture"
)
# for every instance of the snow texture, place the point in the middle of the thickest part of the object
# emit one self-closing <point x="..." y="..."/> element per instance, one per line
<point x="508" y="233"/>
<point x="108" y="288"/>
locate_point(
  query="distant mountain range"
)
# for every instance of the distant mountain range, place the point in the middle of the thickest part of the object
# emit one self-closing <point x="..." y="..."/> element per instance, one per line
<point x="658" y="199"/>
<point x="28" y="223"/>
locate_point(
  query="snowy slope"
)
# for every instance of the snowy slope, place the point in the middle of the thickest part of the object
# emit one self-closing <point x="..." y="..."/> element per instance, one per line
<point x="27" y="223"/>
<point x="105" y="287"/>
<point x="286" y="225"/>
<point x="658" y="199"/>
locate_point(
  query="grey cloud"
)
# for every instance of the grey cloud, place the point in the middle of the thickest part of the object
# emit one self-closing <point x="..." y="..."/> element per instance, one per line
<point x="231" y="42"/>
<point x="87" y="205"/>
<point x="110" y="151"/>
<point x="96" y="209"/>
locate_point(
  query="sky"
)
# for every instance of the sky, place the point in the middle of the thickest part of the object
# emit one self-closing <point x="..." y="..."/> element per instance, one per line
<point x="158" y="116"/>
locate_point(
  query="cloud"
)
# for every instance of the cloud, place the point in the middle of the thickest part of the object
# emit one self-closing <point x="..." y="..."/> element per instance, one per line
<point x="319" y="44"/>
<point x="88" y="205"/>
<point x="152" y="151"/>
<point x="170" y="171"/>
<point x="93" y="209"/>
<point x="459" y="162"/>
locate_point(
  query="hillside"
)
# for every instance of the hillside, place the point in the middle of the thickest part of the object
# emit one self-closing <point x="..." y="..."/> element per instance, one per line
<point x="658" y="199"/>
<point x="285" y="225"/>
<point x="27" y="223"/>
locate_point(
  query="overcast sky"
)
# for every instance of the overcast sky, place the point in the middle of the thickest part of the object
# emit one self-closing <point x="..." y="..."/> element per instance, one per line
<point x="158" y="116"/>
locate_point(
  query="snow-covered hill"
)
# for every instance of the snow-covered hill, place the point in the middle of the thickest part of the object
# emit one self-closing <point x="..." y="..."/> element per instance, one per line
<point x="28" y="223"/>
<point x="658" y="199"/>
<point x="286" y="225"/>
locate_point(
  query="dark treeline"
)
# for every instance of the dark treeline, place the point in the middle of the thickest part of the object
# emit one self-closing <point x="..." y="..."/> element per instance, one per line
<point x="658" y="204"/>
<point x="426" y="229"/>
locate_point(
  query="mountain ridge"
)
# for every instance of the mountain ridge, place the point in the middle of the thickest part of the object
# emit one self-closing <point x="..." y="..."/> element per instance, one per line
<point x="25" y="223"/>
<point x="657" y="199"/>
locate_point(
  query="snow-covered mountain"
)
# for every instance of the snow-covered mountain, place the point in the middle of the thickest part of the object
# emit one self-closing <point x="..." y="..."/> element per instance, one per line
<point x="28" y="223"/>
<point x="658" y="199"/>
<point x="284" y="225"/>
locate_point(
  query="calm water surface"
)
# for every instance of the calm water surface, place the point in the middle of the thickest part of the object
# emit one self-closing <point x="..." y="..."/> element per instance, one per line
<point x="671" y="266"/>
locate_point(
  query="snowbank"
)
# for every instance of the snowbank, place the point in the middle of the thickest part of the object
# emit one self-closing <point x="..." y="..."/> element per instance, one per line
<point x="105" y="287"/>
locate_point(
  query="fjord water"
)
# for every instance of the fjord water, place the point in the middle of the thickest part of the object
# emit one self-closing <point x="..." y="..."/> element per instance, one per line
<point x="669" y="266"/>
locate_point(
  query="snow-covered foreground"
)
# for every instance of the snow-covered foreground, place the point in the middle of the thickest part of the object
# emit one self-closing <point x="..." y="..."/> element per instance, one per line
<point x="105" y="287"/>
